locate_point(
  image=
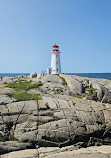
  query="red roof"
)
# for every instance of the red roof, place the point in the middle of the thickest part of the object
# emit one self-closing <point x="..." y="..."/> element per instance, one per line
<point x="55" y="45"/>
<point x="55" y="50"/>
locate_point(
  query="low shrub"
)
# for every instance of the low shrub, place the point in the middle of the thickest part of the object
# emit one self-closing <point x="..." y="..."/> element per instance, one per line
<point x="77" y="96"/>
<point x="87" y="82"/>
<point x="94" y="96"/>
<point x="64" y="81"/>
<point x="22" y="96"/>
<point x="23" y="85"/>
<point x="90" y="89"/>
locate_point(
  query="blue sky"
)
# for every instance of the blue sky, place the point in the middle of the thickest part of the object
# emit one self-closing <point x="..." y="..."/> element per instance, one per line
<point x="29" y="28"/>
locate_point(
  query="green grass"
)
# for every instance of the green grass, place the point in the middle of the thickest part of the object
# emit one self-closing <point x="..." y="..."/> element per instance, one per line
<point x="87" y="81"/>
<point x="23" y="85"/>
<point x="77" y="96"/>
<point x="5" y="82"/>
<point x="94" y="96"/>
<point x="20" y="90"/>
<point x="64" y="81"/>
<point x="74" y="103"/>
<point x="81" y="81"/>
<point x="11" y="138"/>
<point x="22" y="96"/>
<point x="91" y="89"/>
<point x="92" y="93"/>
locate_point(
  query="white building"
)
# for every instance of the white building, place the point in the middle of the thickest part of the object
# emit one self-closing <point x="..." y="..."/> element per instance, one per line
<point x="55" y="61"/>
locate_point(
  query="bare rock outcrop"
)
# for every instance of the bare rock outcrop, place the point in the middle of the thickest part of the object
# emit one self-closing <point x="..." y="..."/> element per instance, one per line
<point x="66" y="152"/>
<point x="62" y="117"/>
<point x="57" y="121"/>
<point x="74" y="85"/>
<point x="4" y="99"/>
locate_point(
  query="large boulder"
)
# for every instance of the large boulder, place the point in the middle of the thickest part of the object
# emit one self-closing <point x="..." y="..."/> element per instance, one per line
<point x="66" y="152"/>
<point x="33" y="75"/>
<point x="4" y="99"/>
<point x="18" y="112"/>
<point x="22" y="107"/>
<point x="5" y="90"/>
<point x="9" y="79"/>
<point x="107" y="97"/>
<point x="69" y="120"/>
<point x="74" y="85"/>
<point x="47" y="86"/>
<point x="28" y="153"/>
<point x="103" y="94"/>
<point x="54" y="88"/>
<point x="9" y="146"/>
<point x="51" y="79"/>
<point x="56" y="120"/>
<point x="4" y="132"/>
<point x="53" y="84"/>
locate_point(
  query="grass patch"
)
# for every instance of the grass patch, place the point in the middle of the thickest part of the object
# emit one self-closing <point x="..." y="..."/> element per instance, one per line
<point x="50" y="115"/>
<point x="64" y="81"/>
<point x="77" y="96"/>
<point x="5" y="82"/>
<point x="91" y="89"/>
<point x="11" y="138"/>
<point x="74" y="103"/>
<point x="22" y="96"/>
<point x="94" y="96"/>
<point x="81" y="81"/>
<point x="87" y="82"/>
<point x="23" y="85"/>
<point x="92" y="93"/>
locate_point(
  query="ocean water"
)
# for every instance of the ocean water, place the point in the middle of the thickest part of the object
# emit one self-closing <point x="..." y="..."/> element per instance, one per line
<point x="91" y="75"/>
<point x="94" y="75"/>
<point x="13" y="74"/>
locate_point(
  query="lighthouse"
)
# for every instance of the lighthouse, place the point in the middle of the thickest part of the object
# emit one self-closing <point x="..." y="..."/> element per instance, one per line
<point x="55" y="61"/>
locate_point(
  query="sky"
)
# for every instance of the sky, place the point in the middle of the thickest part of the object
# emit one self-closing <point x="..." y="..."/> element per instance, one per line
<point x="29" y="29"/>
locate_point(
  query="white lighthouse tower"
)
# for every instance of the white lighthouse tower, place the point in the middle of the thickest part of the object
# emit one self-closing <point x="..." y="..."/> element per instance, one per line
<point x="55" y="61"/>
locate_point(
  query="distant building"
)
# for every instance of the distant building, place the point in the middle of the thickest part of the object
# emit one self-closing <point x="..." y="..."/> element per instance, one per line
<point x="55" y="61"/>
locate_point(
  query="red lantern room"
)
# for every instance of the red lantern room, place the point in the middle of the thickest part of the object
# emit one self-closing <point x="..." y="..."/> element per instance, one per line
<point x="55" y="47"/>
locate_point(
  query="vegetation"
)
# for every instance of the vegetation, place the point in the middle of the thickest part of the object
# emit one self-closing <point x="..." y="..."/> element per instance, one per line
<point x="58" y="87"/>
<point x="64" y="81"/>
<point x="81" y="81"/>
<point x="87" y="82"/>
<point x="77" y="96"/>
<point x="74" y="103"/>
<point x="92" y="93"/>
<point x="22" y="96"/>
<point x="50" y="115"/>
<point x="39" y="84"/>
<point x="23" y="85"/>
<point x="91" y="89"/>
<point x="5" y="82"/>
<point x="94" y="96"/>
<point x="11" y="138"/>
<point x="20" y="90"/>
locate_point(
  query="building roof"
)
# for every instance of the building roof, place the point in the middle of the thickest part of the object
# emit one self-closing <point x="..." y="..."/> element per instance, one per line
<point x="55" y="50"/>
<point x="55" y="45"/>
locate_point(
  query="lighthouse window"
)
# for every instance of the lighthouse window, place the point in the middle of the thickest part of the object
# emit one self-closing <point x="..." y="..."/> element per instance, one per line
<point x="57" y="62"/>
<point x="57" y="69"/>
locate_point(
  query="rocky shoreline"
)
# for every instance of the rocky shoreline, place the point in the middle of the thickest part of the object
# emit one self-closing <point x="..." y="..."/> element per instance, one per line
<point x="54" y="116"/>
